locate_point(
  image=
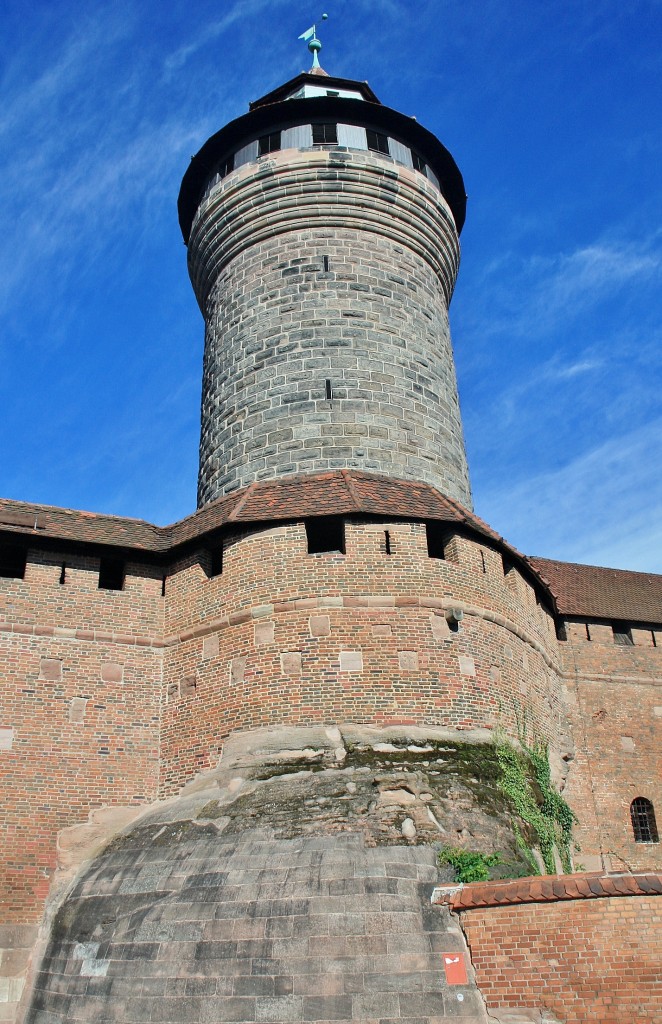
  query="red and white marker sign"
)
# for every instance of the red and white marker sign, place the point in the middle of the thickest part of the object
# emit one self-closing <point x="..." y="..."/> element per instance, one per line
<point x="455" y="968"/>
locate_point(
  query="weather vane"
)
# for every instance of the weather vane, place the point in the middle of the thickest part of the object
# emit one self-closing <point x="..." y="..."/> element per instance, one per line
<point x="314" y="45"/>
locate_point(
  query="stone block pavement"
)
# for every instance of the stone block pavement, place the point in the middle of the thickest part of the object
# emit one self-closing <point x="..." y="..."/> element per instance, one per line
<point x="177" y="922"/>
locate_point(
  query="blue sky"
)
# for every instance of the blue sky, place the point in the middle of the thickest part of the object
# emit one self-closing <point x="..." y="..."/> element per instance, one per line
<point x="552" y="112"/>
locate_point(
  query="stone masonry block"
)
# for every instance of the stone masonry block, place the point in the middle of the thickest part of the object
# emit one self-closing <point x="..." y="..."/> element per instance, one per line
<point x="210" y="647"/>
<point x="408" y="661"/>
<point x="290" y="663"/>
<point x="467" y="665"/>
<point x="351" y="661"/>
<point x="440" y="628"/>
<point x="381" y="629"/>
<point x="77" y="709"/>
<point x="264" y="633"/>
<point x="6" y="738"/>
<point x="319" y="625"/>
<point x="51" y="669"/>
<point x="112" y="672"/>
<point x="237" y="670"/>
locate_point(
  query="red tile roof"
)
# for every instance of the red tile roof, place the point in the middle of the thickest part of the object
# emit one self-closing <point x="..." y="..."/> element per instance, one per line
<point x="343" y="492"/>
<point x="580" y="590"/>
<point x="593" y="592"/>
<point x="548" y="889"/>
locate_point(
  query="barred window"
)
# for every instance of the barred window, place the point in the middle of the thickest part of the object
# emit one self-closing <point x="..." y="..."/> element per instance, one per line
<point x="642" y="816"/>
<point x="325" y="134"/>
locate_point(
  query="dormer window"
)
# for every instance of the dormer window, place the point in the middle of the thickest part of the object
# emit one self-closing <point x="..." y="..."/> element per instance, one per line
<point x="325" y="135"/>
<point x="269" y="143"/>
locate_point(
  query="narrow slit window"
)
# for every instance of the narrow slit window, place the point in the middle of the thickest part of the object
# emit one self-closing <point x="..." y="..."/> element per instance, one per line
<point x="63" y="574"/>
<point x="269" y="143"/>
<point x="482" y="560"/>
<point x="437" y="540"/>
<point x="111" y="574"/>
<point x="622" y="634"/>
<point x="325" y="264"/>
<point x="387" y="542"/>
<point x="588" y="632"/>
<point x="163" y="585"/>
<point x="642" y="816"/>
<point x="12" y="561"/>
<point x="377" y="141"/>
<point x="418" y="162"/>
<point x="653" y="638"/>
<point x="216" y="562"/>
<point x="325" y="134"/>
<point x="328" y="390"/>
<point x="325" y="534"/>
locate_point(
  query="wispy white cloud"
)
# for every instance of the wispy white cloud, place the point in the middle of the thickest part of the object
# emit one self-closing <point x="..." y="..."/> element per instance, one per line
<point x="602" y="507"/>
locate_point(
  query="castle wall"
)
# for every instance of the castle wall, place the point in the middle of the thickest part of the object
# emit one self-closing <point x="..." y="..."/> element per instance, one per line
<point x="580" y="960"/>
<point x="80" y="695"/>
<point x="282" y="636"/>
<point x="615" y="703"/>
<point x="324" y="278"/>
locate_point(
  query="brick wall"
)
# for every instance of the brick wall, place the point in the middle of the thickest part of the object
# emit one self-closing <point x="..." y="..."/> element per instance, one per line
<point x="615" y="701"/>
<point x="374" y="325"/>
<point x="286" y="637"/>
<point x="80" y="687"/>
<point x="583" y="960"/>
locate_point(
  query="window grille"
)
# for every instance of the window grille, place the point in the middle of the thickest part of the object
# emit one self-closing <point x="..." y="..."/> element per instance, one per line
<point x="642" y="816"/>
<point x="325" y="134"/>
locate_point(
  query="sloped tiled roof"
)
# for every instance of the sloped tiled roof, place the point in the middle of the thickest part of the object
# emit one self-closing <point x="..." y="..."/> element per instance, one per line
<point x="343" y="492"/>
<point x="581" y="590"/>
<point x="594" y="592"/>
<point x="549" y="889"/>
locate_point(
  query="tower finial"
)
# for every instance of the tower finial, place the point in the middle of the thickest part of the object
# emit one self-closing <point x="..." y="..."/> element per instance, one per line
<point x="314" y="44"/>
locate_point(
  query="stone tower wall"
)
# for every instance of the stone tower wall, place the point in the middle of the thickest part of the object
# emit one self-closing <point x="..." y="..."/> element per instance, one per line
<point x="284" y="332"/>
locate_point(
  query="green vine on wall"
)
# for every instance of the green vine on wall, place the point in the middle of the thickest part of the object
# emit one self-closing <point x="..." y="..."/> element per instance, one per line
<point x="548" y="815"/>
<point x="469" y="865"/>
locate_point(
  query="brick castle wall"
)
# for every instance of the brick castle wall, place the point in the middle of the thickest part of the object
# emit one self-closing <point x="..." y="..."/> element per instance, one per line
<point x="117" y="697"/>
<point x="586" y="960"/>
<point x="80" y="697"/>
<point x="321" y="266"/>
<point x="287" y="637"/>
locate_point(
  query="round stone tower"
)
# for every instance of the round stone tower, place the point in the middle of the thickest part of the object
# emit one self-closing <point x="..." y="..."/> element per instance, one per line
<point x="323" y="245"/>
